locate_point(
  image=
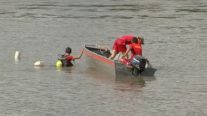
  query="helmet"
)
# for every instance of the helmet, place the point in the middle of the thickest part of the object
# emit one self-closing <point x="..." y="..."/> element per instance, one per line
<point x="68" y="50"/>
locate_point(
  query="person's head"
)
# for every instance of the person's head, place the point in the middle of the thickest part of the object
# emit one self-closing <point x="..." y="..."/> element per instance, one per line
<point x="134" y="40"/>
<point x="140" y="40"/>
<point x="68" y="50"/>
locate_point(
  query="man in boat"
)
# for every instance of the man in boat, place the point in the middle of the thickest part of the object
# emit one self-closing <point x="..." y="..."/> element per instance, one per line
<point x="67" y="58"/>
<point x="121" y="43"/>
<point x="135" y="47"/>
<point x="136" y="58"/>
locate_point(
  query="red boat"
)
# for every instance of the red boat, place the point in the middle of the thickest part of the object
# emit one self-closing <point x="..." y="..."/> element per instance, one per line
<point x="99" y="59"/>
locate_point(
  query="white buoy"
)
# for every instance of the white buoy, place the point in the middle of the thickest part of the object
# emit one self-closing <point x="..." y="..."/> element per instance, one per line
<point x="17" y="56"/>
<point x="39" y="63"/>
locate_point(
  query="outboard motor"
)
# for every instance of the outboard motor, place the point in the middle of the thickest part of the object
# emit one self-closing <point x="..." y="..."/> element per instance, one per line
<point x="138" y="63"/>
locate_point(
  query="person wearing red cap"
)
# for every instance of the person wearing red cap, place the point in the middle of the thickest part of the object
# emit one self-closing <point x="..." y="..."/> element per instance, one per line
<point x="67" y="58"/>
<point x="121" y="43"/>
<point x="135" y="47"/>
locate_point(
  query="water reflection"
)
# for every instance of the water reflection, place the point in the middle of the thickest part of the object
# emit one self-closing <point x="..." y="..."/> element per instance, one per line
<point x="192" y="10"/>
<point x="106" y="77"/>
<point x="125" y="87"/>
<point x="65" y="69"/>
<point x="131" y="80"/>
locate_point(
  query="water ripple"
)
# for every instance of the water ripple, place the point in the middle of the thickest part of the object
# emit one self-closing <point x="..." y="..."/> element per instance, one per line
<point x="195" y="10"/>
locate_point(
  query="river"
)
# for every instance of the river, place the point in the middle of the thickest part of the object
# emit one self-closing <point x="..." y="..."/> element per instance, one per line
<point x="175" y="33"/>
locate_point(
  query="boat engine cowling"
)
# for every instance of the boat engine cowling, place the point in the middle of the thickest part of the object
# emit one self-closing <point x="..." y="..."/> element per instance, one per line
<point x="138" y="63"/>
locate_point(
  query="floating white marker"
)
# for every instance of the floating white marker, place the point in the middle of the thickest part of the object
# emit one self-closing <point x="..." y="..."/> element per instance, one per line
<point x="17" y="56"/>
<point x="39" y="63"/>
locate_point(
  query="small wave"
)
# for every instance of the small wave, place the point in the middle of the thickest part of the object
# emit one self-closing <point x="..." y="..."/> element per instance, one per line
<point x="6" y="12"/>
<point x="100" y="5"/>
<point x="97" y="17"/>
<point x="196" y="10"/>
<point x="124" y="9"/>
<point x="166" y="17"/>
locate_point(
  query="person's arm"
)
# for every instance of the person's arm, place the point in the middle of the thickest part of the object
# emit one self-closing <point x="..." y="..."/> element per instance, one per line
<point x="113" y="54"/>
<point x="79" y="55"/>
<point x="127" y="52"/>
<point x="62" y="56"/>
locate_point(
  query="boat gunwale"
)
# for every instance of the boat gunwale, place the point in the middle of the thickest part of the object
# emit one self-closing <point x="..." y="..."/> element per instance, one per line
<point x="97" y="56"/>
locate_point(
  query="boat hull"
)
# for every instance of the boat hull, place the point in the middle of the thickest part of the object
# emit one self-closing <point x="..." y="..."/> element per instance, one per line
<point x="101" y="63"/>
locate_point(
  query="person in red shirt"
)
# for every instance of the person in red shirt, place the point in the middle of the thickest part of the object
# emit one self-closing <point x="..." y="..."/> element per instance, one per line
<point x="67" y="58"/>
<point x="135" y="47"/>
<point x="120" y="45"/>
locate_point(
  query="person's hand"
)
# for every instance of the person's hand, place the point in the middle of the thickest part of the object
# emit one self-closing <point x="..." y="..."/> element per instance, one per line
<point x="123" y="56"/>
<point x="82" y="50"/>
